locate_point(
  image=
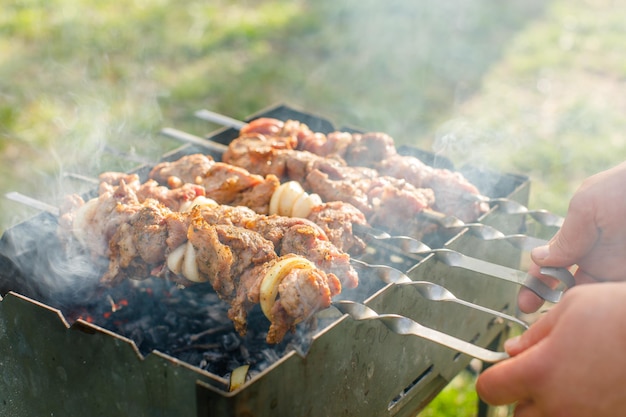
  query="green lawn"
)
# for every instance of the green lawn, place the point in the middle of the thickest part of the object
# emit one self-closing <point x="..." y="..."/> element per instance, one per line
<point x="532" y="87"/>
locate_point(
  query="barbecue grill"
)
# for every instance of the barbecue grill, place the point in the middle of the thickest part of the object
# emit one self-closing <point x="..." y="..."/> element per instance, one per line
<point x="65" y="350"/>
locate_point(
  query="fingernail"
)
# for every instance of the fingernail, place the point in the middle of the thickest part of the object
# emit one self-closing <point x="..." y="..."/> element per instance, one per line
<point x="512" y="344"/>
<point x="540" y="252"/>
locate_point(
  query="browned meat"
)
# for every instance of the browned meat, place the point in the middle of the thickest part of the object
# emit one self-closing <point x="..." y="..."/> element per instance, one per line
<point x="263" y="126"/>
<point x="289" y="235"/>
<point x="139" y="244"/>
<point x="188" y="169"/>
<point x="336" y="219"/>
<point x="224" y="252"/>
<point x="304" y="239"/>
<point x="398" y="206"/>
<point x="374" y="150"/>
<point x="93" y="223"/>
<point x="450" y="187"/>
<point x="258" y="155"/>
<point x="174" y="199"/>
<point x="301" y="294"/>
<point x="224" y="245"/>
<point x="224" y="183"/>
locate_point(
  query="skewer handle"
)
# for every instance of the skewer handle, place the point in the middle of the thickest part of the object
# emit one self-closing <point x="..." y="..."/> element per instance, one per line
<point x="220" y="119"/>
<point x="31" y="202"/>
<point x="196" y="140"/>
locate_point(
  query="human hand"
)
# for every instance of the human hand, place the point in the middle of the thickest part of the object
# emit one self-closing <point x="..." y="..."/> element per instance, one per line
<point x="593" y="235"/>
<point x="570" y="362"/>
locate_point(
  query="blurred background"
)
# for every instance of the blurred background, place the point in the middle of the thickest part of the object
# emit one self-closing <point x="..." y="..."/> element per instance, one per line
<point x="533" y="87"/>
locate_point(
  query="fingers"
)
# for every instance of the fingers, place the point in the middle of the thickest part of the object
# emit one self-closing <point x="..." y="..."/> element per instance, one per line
<point x="535" y="333"/>
<point x="527" y="409"/>
<point x="528" y="301"/>
<point x="575" y="238"/>
<point x="512" y="380"/>
<point x="504" y="382"/>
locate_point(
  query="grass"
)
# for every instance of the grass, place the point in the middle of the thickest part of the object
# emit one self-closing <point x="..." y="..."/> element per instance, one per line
<point x="529" y="87"/>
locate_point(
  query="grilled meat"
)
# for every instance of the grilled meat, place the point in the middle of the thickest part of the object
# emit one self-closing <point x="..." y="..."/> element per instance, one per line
<point x="229" y="247"/>
<point x="333" y="180"/>
<point x="256" y="194"/>
<point x="373" y="150"/>
<point x="224" y="183"/>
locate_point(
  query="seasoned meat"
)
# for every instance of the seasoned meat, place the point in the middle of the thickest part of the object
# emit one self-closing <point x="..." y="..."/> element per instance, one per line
<point x="224" y="252"/>
<point x="281" y="142"/>
<point x="450" y="187"/>
<point x="230" y="247"/>
<point x="224" y="183"/>
<point x="174" y="199"/>
<point x="139" y="244"/>
<point x="336" y="219"/>
<point x="188" y="169"/>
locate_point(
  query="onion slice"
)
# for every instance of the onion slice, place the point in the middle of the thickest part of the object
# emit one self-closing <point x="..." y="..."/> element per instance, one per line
<point x="273" y="278"/>
<point x="175" y="259"/>
<point x="275" y="200"/>
<point x="291" y="200"/>
<point x="303" y="205"/>
<point x="238" y="377"/>
<point x="290" y="194"/>
<point x="189" y="266"/>
<point x="198" y="201"/>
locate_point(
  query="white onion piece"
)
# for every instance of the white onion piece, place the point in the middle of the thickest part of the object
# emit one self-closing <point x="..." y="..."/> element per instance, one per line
<point x="292" y="190"/>
<point x="198" y="201"/>
<point x="275" y="200"/>
<point x="189" y="266"/>
<point x="83" y="216"/>
<point x="273" y="278"/>
<point x="303" y="205"/>
<point x="175" y="259"/>
<point x="186" y="206"/>
<point x="238" y="377"/>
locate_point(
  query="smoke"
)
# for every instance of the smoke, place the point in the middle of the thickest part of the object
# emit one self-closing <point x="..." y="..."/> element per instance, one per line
<point x="466" y="142"/>
<point x="88" y="129"/>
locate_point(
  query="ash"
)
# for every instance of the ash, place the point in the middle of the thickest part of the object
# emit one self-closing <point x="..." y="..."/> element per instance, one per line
<point x="190" y="324"/>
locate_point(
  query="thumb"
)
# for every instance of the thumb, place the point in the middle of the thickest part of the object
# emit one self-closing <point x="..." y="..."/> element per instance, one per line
<point x="575" y="239"/>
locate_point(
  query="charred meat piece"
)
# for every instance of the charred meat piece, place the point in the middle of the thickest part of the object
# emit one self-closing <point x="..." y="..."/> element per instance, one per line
<point x="450" y="187"/>
<point x="224" y="183"/>
<point x="336" y="219"/>
<point x="376" y="150"/>
<point x="287" y="265"/>
<point x="333" y="180"/>
<point x="289" y="235"/>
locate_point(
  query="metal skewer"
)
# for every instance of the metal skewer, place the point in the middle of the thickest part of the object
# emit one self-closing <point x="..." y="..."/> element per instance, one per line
<point x="406" y="326"/>
<point x="31" y="202"/>
<point x="196" y="140"/>
<point x="220" y="119"/>
<point x="429" y="290"/>
<point x="459" y="260"/>
<point x="485" y="232"/>
<point x="509" y="206"/>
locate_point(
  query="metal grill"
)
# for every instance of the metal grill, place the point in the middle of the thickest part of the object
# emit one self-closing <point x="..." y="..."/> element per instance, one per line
<point x="347" y="367"/>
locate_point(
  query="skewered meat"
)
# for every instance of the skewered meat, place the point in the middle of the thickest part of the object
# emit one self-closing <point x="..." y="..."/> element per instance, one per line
<point x="374" y="150"/>
<point x="364" y="188"/>
<point x="232" y="248"/>
<point x="224" y="183"/>
<point x="258" y="194"/>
